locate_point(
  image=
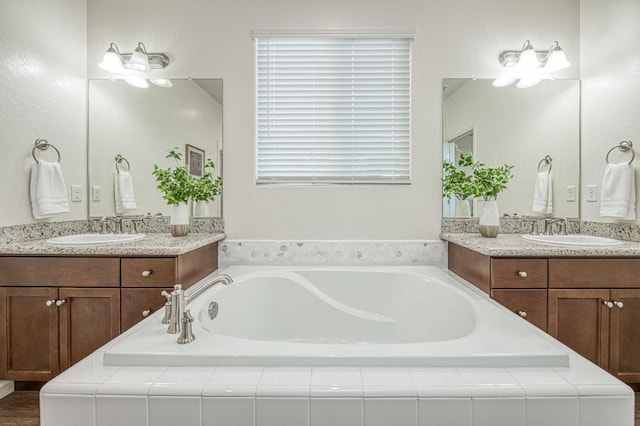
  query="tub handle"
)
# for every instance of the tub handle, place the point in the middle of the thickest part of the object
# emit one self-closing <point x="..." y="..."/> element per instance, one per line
<point x="523" y="274"/>
<point x="523" y="314"/>
<point x="608" y="304"/>
<point x="146" y="312"/>
<point x="618" y="304"/>
<point x="146" y="273"/>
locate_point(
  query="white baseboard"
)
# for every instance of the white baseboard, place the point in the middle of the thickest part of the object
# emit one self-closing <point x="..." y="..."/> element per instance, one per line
<point x="6" y="387"/>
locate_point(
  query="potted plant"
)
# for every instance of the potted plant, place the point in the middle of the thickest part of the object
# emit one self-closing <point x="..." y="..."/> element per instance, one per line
<point x="456" y="182"/>
<point x="488" y="183"/>
<point x="205" y="189"/>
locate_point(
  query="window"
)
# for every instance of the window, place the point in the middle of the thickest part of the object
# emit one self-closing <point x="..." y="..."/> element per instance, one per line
<point x="333" y="109"/>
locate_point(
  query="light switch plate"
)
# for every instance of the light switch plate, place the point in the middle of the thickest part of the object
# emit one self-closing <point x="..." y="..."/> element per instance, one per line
<point x="96" y="193"/>
<point x="76" y="193"/>
<point x="592" y="193"/>
<point x="571" y="193"/>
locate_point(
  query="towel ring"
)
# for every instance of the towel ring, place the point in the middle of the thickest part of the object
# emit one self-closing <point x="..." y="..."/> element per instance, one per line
<point x="546" y="160"/>
<point x="43" y="145"/>
<point x="623" y="146"/>
<point x="119" y="160"/>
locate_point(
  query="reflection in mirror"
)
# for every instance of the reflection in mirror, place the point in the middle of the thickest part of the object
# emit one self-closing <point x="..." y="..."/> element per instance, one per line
<point x="518" y="127"/>
<point x="141" y="126"/>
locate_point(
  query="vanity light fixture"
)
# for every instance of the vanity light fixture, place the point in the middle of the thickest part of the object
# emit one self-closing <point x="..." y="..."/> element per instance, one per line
<point x="139" y="60"/>
<point x="529" y="65"/>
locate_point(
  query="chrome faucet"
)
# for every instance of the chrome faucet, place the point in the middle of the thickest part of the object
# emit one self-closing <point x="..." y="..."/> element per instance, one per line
<point x="548" y="225"/>
<point x="117" y="227"/>
<point x="222" y="278"/>
<point x="186" y="334"/>
<point x="176" y="309"/>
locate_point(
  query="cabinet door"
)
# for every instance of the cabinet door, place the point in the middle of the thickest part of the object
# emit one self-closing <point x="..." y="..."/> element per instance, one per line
<point x="138" y="303"/>
<point x="625" y="335"/>
<point x="89" y="318"/>
<point x="529" y="304"/>
<point x="28" y="333"/>
<point x="580" y="320"/>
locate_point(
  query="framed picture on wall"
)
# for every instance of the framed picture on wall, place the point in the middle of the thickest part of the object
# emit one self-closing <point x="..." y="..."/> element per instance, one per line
<point x="194" y="160"/>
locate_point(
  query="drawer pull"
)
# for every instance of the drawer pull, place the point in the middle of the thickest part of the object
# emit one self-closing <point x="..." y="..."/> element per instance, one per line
<point x="608" y="304"/>
<point x="50" y="302"/>
<point x="523" y="314"/>
<point x="146" y="273"/>
<point x="523" y="274"/>
<point x="618" y="304"/>
<point x="146" y="313"/>
<point x="60" y="302"/>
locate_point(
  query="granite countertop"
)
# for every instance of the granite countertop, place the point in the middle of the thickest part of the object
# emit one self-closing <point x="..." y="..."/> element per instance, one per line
<point x="153" y="244"/>
<point x="512" y="245"/>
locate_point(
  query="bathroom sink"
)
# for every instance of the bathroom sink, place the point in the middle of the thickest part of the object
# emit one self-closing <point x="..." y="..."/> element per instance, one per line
<point x="574" y="240"/>
<point x="86" y="239"/>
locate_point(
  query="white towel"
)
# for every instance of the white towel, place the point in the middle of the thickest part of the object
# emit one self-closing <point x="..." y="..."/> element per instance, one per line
<point x="47" y="190"/>
<point x="123" y="191"/>
<point x="618" y="192"/>
<point x="543" y="194"/>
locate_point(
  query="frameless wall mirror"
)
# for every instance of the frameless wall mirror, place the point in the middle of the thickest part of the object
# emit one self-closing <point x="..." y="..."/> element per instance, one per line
<point x="141" y="126"/>
<point x="519" y="127"/>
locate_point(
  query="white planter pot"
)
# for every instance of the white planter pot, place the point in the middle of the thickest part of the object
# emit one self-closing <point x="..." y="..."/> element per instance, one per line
<point x="201" y="209"/>
<point x="463" y="210"/>
<point x="179" y="222"/>
<point x="489" y="225"/>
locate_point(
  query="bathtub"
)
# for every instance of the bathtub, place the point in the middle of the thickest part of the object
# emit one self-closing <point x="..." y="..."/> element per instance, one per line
<point x="342" y="316"/>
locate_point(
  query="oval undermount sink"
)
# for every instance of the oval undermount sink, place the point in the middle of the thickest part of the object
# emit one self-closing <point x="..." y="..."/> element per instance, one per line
<point x="574" y="240"/>
<point x="87" y="239"/>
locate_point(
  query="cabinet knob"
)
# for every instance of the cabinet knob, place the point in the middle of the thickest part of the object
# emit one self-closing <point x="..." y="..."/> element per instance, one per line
<point x="50" y="302"/>
<point x="618" y="304"/>
<point x="146" y="313"/>
<point x="523" y="314"/>
<point x="523" y="274"/>
<point x="146" y="273"/>
<point x="60" y="302"/>
<point x="608" y="304"/>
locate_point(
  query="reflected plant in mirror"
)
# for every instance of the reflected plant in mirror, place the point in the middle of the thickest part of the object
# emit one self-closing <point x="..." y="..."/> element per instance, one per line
<point x="518" y="127"/>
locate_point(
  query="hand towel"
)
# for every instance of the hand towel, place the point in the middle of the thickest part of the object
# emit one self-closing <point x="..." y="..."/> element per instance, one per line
<point x="618" y="192"/>
<point x="48" y="190"/>
<point x="543" y="194"/>
<point x="124" y="193"/>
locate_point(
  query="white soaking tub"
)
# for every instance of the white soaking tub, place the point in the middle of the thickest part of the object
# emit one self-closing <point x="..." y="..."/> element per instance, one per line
<point x="342" y="316"/>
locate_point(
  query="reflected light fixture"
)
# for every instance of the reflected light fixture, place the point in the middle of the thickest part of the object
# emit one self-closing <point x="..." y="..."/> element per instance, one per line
<point x="161" y="82"/>
<point x="140" y="83"/>
<point x="529" y="65"/>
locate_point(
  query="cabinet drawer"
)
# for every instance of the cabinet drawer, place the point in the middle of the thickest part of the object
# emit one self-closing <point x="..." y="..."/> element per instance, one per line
<point x="60" y="271"/>
<point x="529" y="304"/>
<point x="148" y="272"/>
<point x="594" y="273"/>
<point x="139" y="303"/>
<point x="518" y="273"/>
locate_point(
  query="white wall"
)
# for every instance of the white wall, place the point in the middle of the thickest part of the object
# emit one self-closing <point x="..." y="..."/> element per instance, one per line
<point x="142" y="125"/>
<point x="210" y="39"/>
<point x="610" y="64"/>
<point x="42" y="82"/>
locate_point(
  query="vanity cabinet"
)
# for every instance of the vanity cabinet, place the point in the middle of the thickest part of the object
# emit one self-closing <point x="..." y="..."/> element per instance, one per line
<point x="590" y="304"/>
<point x="54" y="311"/>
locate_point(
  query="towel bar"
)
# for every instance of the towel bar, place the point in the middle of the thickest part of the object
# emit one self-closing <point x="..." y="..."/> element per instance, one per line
<point x="43" y="145"/>
<point x="623" y="146"/>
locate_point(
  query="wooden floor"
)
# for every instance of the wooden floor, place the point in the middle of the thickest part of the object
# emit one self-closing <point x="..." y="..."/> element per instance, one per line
<point x="21" y="409"/>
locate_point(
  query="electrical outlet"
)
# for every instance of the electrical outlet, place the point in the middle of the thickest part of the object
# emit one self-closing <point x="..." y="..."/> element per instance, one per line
<point x="571" y="193"/>
<point x="76" y="193"/>
<point x="592" y="193"/>
<point x="96" y="193"/>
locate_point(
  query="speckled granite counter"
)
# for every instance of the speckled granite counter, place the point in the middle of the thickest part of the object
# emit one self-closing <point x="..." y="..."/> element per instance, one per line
<point x="153" y="244"/>
<point x="507" y="245"/>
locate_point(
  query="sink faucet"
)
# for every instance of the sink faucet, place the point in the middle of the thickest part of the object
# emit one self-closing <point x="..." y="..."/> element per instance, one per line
<point x="548" y="225"/>
<point x="117" y="227"/>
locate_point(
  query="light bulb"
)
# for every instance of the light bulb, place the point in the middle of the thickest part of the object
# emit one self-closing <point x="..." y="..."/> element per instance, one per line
<point x="528" y="59"/>
<point x="556" y="60"/>
<point x="137" y="82"/>
<point x="139" y="60"/>
<point x="112" y="61"/>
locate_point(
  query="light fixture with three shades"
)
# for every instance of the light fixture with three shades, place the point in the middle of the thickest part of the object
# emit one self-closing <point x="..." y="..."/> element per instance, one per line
<point x="138" y="61"/>
<point x="530" y="66"/>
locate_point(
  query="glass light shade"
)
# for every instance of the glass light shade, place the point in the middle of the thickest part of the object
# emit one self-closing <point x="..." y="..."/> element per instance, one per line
<point x="137" y="82"/>
<point x="503" y="81"/>
<point x="527" y="82"/>
<point x="161" y="82"/>
<point x="111" y="62"/>
<point x="557" y="60"/>
<point x="139" y="60"/>
<point x="528" y="59"/>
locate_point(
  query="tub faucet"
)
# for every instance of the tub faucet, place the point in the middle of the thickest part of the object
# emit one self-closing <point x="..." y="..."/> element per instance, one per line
<point x="186" y="333"/>
<point x="176" y="309"/>
<point x="222" y="278"/>
<point x="548" y="225"/>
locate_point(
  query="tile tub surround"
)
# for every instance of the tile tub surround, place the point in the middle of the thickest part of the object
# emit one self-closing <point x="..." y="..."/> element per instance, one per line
<point x="513" y="245"/>
<point x="92" y="393"/>
<point x="343" y="252"/>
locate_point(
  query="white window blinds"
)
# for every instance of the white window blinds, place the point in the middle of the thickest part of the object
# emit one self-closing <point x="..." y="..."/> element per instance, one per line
<point x="333" y="110"/>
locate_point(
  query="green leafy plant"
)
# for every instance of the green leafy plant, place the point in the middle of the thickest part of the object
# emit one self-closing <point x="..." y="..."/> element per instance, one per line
<point x="207" y="187"/>
<point x="175" y="183"/>
<point x="482" y="181"/>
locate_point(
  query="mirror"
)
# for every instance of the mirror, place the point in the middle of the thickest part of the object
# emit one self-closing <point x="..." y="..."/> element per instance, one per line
<point x="142" y="125"/>
<point x="519" y="127"/>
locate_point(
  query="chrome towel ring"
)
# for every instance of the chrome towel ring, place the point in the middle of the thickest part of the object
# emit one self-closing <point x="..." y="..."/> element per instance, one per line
<point x="624" y="146"/>
<point x="43" y="145"/>
<point x="119" y="161"/>
<point x="547" y="160"/>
